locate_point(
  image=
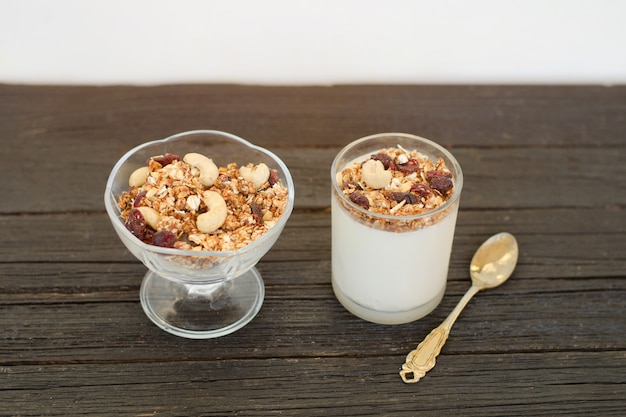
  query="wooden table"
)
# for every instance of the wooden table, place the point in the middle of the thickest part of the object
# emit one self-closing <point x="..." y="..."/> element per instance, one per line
<point x="547" y="164"/>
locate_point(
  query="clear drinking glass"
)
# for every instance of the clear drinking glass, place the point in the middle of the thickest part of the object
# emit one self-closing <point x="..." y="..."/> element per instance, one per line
<point x="199" y="294"/>
<point x="385" y="269"/>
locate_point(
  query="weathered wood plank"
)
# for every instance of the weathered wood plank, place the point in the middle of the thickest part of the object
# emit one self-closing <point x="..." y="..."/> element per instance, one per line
<point x="539" y="384"/>
<point x="276" y="116"/>
<point x="524" y="178"/>
<point x="544" y="237"/>
<point x="93" y="279"/>
<point x="52" y="283"/>
<point x="309" y="322"/>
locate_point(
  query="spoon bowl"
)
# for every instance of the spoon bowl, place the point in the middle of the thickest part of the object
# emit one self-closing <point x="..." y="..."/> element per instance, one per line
<point x="494" y="261"/>
<point x="492" y="264"/>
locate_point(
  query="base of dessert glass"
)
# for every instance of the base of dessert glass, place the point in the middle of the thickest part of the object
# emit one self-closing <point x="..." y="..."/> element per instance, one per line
<point x="202" y="311"/>
<point x="387" y="317"/>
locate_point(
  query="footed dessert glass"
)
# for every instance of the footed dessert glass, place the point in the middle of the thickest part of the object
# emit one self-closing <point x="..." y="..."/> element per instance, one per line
<point x="199" y="294"/>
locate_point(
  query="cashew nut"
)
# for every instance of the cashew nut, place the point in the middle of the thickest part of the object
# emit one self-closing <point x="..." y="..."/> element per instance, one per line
<point x="216" y="216"/>
<point x="257" y="175"/>
<point x="208" y="170"/>
<point x="375" y="175"/>
<point x="139" y="177"/>
<point x="403" y="187"/>
<point x="150" y="215"/>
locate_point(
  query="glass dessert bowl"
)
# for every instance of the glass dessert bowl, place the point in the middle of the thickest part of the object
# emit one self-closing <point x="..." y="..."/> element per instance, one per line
<point x="191" y="290"/>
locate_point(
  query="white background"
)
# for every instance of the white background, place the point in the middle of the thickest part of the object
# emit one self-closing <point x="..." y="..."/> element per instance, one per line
<point x="287" y="42"/>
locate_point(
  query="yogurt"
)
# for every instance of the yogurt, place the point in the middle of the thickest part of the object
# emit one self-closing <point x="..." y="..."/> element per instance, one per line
<point x="387" y="268"/>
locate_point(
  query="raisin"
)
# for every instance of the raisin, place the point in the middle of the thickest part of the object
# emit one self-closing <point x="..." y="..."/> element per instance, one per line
<point x="136" y="224"/>
<point x="434" y="173"/>
<point x="441" y="183"/>
<point x="138" y="199"/>
<point x="410" y="167"/>
<point x="273" y="179"/>
<point x="164" y="239"/>
<point x="407" y="197"/>
<point x="385" y="159"/>
<point x="421" y="189"/>
<point x="257" y="213"/>
<point x="166" y="159"/>
<point x="358" y="198"/>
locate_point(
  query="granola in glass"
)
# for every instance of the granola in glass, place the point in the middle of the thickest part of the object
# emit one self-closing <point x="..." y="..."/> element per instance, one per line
<point x="396" y="182"/>
<point x="169" y="201"/>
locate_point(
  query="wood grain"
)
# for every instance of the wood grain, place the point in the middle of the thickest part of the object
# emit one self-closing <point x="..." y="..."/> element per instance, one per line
<point x="323" y="386"/>
<point x="546" y="163"/>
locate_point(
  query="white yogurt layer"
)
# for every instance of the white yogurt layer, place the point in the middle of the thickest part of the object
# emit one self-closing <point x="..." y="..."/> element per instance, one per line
<point x="389" y="277"/>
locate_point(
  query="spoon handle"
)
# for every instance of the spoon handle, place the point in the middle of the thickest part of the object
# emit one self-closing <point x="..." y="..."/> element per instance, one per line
<point x="424" y="357"/>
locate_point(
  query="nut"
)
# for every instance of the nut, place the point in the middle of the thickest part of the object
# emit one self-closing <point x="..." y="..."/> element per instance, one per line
<point x="257" y="175"/>
<point x="150" y="215"/>
<point x="216" y="216"/>
<point x="207" y="168"/>
<point x="375" y="175"/>
<point x="139" y="177"/>
<point x="402" y="159"/>
<point x="405" y="187"/>
<point x="193" y="202"/>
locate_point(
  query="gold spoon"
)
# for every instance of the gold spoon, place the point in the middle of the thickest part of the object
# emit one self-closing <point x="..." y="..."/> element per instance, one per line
<point x="492" y="264"/>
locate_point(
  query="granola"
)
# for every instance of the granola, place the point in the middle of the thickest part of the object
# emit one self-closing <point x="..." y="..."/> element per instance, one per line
<point x="399" y="183"/>
<point x="176" y="195"/>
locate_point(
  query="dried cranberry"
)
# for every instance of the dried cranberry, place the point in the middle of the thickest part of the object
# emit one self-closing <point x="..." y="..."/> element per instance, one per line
<point x="410" y="167"/>
<point x="358" y="198"/>
<point x="273" y="179"/>
<point x="434" y="173"/>
<point x="421" y="189"/>
<point x="406" y="197"/>
<point x="351" y="184"/>
<point x="385" y="159"/>
<point x="441" y="183"/>
<point x="166" y="159"/>
<point x="257" y="213"/>
<point x="136" y="224"/>
<point x="138" y="199"/>
<point x="164" y="239"/>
